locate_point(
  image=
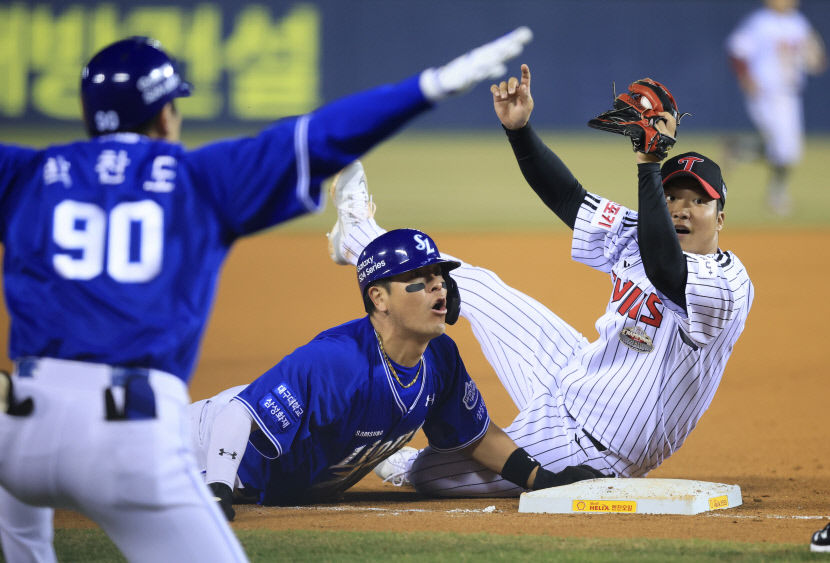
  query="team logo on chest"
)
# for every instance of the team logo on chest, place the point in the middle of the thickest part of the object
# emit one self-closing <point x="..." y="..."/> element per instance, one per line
<point x="636" y="338"/>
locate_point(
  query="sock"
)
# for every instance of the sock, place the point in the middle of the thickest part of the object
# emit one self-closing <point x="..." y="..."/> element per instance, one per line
<point x="228" y="440"/>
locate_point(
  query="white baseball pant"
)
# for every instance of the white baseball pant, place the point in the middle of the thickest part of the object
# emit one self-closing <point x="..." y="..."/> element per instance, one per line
<point x="779" y="118"/>
<point x="137" y="479"/>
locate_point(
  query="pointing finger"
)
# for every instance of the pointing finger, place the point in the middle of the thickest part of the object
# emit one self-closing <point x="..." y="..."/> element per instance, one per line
<point x="526" y="75"/>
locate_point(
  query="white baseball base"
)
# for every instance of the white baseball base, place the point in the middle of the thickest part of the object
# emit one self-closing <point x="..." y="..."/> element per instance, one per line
<point x="633" y="496"/>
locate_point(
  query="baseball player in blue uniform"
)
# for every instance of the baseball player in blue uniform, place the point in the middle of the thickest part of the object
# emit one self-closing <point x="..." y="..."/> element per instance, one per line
<point x="113" y="246"/>
<point x="625" y="401"/>
<point x="329" y="412"/>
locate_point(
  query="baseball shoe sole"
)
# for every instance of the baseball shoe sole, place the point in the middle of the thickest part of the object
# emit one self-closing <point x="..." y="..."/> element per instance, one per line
<point x="350" y="193"/>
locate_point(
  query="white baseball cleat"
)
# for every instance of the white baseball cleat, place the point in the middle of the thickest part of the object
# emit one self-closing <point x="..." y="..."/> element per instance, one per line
<point x="350" y="193"/>
<point x="394" y="468"/>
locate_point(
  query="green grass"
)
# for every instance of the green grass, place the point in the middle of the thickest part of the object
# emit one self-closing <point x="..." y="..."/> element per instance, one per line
<point x="337" y="546"/>
<point x="469" y="182"/>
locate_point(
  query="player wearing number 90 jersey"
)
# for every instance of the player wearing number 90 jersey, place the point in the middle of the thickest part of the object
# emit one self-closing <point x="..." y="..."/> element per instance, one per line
<point x="130" y="232"/>
<point x="112" y="252"/>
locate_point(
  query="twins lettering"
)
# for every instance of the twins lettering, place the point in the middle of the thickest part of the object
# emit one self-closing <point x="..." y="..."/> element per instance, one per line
<point x="635" y="304"/>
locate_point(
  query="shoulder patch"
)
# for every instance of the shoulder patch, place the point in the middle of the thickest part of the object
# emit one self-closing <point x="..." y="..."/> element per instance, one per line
<point x="282" y="406"/>
<point x="607" y="214"/>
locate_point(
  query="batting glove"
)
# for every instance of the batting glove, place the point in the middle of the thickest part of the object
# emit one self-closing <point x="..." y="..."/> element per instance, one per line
<point x="571" y="474"/>
<point x="223" y="494"/>
<point x="484" y="63"/>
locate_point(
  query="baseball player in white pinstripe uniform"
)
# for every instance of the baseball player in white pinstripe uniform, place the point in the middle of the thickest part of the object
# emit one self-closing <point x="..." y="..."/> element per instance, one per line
<point x="771" y="51"/>
<point x="627" y="400"/>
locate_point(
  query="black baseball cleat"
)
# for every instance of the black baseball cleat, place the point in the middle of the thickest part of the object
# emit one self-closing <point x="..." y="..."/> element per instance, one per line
<point x="223" y="495"/>
<point x="821" y="540"/>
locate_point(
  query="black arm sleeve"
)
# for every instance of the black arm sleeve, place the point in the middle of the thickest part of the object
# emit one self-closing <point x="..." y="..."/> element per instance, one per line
<point x="547" y="174"/>
<point x="663" y="259"/>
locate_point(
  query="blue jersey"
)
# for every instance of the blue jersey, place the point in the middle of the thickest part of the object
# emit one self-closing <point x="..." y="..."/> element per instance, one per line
<point x="332" y="410"/>
<point x="113" y="245"/>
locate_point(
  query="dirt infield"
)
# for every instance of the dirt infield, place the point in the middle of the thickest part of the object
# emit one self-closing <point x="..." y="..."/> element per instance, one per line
<point x="767" y="428"/>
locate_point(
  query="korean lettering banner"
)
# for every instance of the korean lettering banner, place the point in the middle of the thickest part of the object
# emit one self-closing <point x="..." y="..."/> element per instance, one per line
<point x="256" y="61"/>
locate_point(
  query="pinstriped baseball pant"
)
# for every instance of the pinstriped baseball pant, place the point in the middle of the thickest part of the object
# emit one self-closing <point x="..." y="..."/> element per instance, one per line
<point x="526" y="344"/>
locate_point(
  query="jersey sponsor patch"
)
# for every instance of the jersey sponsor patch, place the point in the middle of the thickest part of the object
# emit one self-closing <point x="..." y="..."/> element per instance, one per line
<point x="269" y="405"/>
<point x="636" y="338"/>
<point x="283" y="406"/>
<point x="470" y="395"/>
<point x="607" y="214"/>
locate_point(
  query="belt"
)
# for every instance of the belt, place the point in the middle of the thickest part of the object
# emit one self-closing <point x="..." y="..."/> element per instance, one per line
<point x="595" y="442"/>
<point x="130" y="397"/>
<point x="128" y="394"/>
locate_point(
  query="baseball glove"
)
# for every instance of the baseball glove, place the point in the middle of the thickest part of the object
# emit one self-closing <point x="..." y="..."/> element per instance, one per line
<point x="635" y="114"/>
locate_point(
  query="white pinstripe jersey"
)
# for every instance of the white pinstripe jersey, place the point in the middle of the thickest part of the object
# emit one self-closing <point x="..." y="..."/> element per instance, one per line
<point x="643" y="404"/>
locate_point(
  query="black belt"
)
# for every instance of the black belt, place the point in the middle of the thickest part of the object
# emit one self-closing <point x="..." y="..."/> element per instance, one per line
<point x="595" y="442"/>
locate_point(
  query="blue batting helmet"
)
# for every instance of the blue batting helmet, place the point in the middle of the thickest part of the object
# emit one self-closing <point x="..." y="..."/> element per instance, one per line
<point x="400" y="251"/>
<point x="396" y="252"/>
<point x="127" y="83"/>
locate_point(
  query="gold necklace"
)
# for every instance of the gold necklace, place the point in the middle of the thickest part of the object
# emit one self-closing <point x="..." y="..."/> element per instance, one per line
<point x="392" y="369"/>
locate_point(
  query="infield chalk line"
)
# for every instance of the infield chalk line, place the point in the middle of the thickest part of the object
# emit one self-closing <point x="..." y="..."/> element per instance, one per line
<point x="488" y="509"/>
<point x="492" y="509"/>
<point x="771" y="516"/>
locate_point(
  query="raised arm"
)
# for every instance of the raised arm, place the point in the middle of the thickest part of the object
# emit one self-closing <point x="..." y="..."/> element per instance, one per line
<point x="542" y="169"/>
<point x="663" y="259"/>
<point x="349" y="127"/>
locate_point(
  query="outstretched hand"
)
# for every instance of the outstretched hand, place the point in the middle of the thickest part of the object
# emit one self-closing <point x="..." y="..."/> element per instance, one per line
<point x="512" y="100"/>
<point x="483" y="63"/>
